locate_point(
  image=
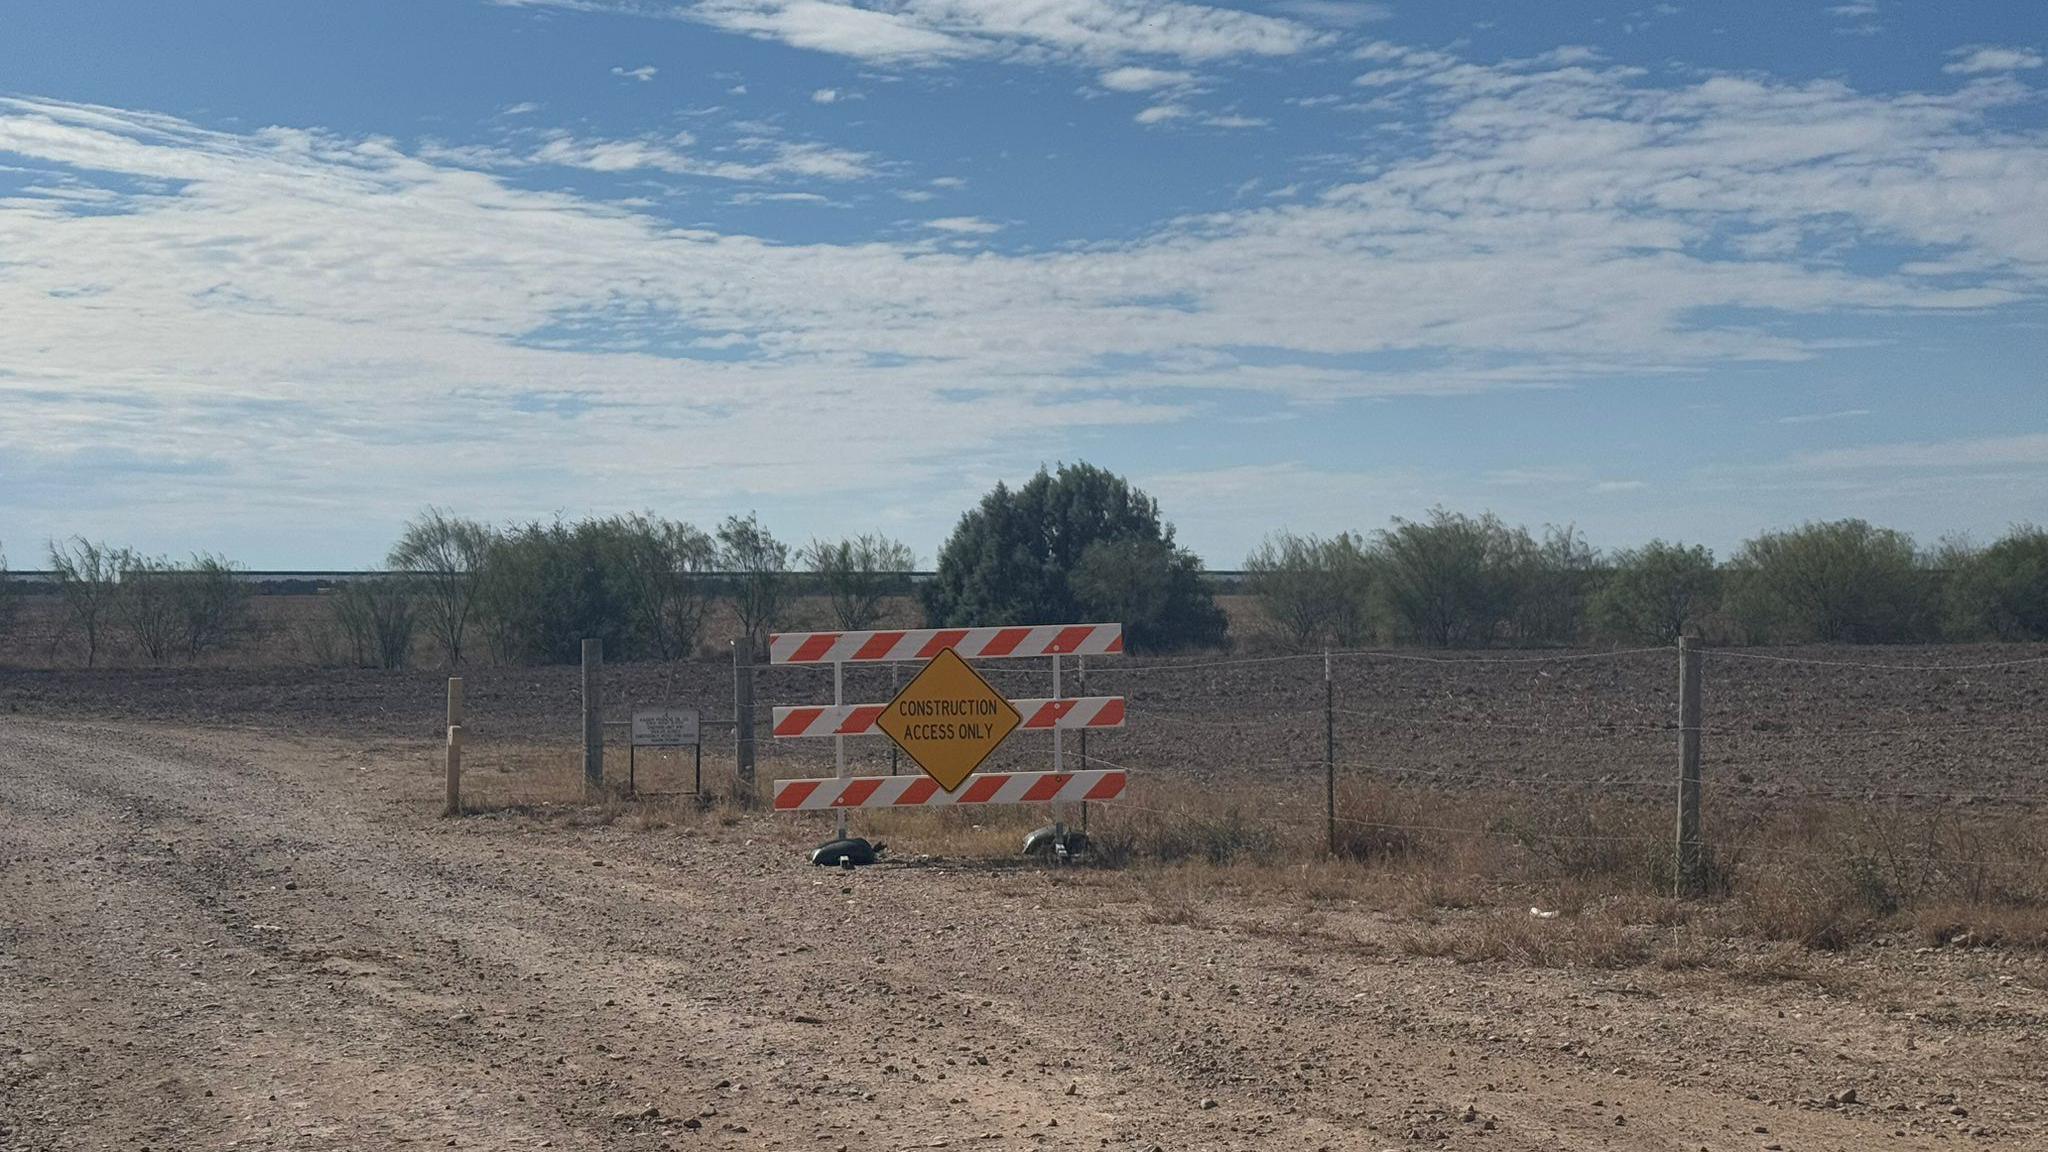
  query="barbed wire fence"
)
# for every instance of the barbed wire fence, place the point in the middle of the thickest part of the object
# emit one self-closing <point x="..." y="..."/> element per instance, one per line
<point x="1552" y="753"/>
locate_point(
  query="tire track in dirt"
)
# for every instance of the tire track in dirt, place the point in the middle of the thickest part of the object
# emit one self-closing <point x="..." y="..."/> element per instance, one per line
<point x="216" y="938"/>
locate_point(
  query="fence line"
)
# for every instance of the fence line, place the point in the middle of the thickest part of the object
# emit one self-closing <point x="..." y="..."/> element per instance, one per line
<point x="1601" y="732"/>
<point x="1528" y="835"/>
<point x="1732" y="654"/>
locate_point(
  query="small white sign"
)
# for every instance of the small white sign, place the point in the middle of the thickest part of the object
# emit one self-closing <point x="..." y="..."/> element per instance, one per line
<point x="665" y="728"/>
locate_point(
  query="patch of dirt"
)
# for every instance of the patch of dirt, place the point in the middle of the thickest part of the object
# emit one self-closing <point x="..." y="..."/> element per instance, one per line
<point x="212" y="939"/>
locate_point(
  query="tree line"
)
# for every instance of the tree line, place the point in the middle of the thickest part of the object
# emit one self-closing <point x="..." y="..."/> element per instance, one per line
<point x="1073" y="544"/>
<point x="1452" y="580"/>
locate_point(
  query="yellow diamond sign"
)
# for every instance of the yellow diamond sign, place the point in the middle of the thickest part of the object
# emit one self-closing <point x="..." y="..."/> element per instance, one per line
<point x="948" y="719"/>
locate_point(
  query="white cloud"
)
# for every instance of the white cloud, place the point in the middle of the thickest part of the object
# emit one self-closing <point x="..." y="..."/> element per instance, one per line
<point x="825" y="96"/>
<point x="1337" y="13"/>
<point x="919" y="32"/>
<point x="1161" y="113"/>
<point x="777" y="198"/>
<point x="520" y="109"/>
<point x="2028" y="450"/>
<point x="1824" y="417"/>
<point x="301" y="320"/>
<point x="964" y="225"/>
<point x="1132" y="78"/>
<point x="1975" y="60"/>
<point x="643" y="73"/>
<point x="769" y="159"/>
<point x="1235" y="121"/>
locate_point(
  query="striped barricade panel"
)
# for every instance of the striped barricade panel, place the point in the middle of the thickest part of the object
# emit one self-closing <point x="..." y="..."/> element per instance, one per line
<point x="924" y="643"/>
<point x="860" y="719"/>
<point x="924" y="792"/>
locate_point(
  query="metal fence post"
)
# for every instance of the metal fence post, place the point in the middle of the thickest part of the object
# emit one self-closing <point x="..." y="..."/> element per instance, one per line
<point x="1690" y="878"/>
<point x="743" y="718"/>
<point x="894" y="751"/>
<point x="1081" y="669"/>
<point x="593" y="719"/>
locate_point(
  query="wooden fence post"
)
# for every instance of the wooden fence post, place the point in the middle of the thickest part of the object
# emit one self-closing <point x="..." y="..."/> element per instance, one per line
<point x="1329" y="755"/>
<point x="454" y="754"/>
<point x="1691" y="879"/>
<point x="593" y="719"/>
<point x="743" y="718"/>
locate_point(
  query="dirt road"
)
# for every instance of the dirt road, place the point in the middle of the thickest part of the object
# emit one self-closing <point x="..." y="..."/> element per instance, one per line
<point x="214" y="940"/>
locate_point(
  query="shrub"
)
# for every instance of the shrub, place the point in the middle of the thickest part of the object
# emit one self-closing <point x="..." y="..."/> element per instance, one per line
<point x="377" y="617"/>
<point x="88" y="579"/>
<point x="659" y="569"/>
<point x="1550" y="590"/>
<point x="1453" y="580"/>
<point x="2001" y="591"/>
<point x="547" y="589"/>
<point x="1841" y="581"/>
<point x="213" y="604"/>
<point x="1313" y="590"/>
<point x="1022" y="557"/>
<point x="858" y="573"/>
<point x="148" y="603"/>
<point x="1154" y="590"/>
<point x="1656" y="592"/>
<point x="758" y="565"/>
<point x="445" y="556"/>
<point x="10" y="599"/>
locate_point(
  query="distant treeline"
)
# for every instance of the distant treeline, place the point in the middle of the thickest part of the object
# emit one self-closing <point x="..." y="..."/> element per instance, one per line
<point x="1452" y="580"/>
<point x="1067" y="546"/>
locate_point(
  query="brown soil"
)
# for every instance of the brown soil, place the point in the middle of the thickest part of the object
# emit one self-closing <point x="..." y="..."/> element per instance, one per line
<point x="214" y="939"/>
<point x="1531" y="720"/>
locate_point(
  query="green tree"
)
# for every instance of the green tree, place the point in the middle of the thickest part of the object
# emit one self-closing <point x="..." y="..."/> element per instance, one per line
<point x="1313" y="590"/>
<point x="858" y="574"/>
<point x="1453" y="580"/>
<point x="1553" y="585"/>
<point x="659" y="570"/>
<point x="550" y="586"/>
<point x="2000" y="591"/>
<point x="1840" y="581"/>
<point x="1656" y="592"/>
<point x="445" y="557"/>
<point x="757" y="565"/>
<point x="1015" y="557"/>
<point x="1154" y="589"/>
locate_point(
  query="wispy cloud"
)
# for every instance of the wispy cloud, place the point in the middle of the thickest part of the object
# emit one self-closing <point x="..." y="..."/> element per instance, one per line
<point x="924" y="32"/>
<point x="643" y="73"/>
<point x="768" y="159"/>
<point x="1557" y="220"/>
<point x="1133" y="78"/>
<point x="1979" y="59"/>
<point x="1824" y="417"/>
<point x="964" y="225"/>
<point x="1336" y="13"/>
<point x="2028" y="450"/>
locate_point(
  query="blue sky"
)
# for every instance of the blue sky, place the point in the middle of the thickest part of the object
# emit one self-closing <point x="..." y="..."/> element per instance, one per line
<point x="273" y="277"/>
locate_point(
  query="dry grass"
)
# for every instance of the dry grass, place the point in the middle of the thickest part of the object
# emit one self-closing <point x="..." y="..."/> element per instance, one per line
<point x="1465" y="868"/>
